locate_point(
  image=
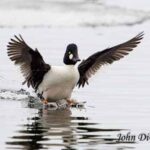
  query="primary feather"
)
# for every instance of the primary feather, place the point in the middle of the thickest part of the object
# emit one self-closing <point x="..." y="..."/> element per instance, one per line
<point x="31" y="62"/>
<point x="90" y="66"/>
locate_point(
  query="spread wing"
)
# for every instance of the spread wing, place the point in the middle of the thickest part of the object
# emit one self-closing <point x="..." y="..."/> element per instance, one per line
<point x="89" y="67"/>
<point x="31" y="62"/>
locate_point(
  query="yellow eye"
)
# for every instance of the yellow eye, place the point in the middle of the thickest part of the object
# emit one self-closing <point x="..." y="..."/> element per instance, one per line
<point x="69" y="52"/>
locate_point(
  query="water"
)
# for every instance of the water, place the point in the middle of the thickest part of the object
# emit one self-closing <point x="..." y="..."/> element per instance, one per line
<point x="47" y="129"/>
<point x="59" y="130"/>
<point x="117" y="99"/>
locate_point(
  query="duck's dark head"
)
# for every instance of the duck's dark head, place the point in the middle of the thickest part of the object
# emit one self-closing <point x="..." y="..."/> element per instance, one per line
<point x="71" y="55"/>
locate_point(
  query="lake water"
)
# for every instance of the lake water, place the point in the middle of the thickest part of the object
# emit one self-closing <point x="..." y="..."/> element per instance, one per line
<point x="118" y="97"/>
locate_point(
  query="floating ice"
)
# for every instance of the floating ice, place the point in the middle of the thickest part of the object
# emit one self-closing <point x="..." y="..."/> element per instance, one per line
<point x="68" y="14"/>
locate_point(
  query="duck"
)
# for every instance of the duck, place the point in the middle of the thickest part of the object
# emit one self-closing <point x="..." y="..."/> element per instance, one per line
<point x="52" y="83"/>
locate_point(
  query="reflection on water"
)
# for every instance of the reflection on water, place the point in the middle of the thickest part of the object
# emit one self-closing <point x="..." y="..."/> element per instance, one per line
<point x="60" y="130"/>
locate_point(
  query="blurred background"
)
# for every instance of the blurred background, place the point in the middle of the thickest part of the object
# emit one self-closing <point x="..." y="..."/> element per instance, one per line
<point x="72" y="13"/>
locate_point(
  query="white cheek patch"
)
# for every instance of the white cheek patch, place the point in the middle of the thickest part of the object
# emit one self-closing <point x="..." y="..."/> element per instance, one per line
<point x="70" y="56"/>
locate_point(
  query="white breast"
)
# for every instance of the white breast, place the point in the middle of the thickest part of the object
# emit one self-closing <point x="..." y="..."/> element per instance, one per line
<point x="59" y="82"/>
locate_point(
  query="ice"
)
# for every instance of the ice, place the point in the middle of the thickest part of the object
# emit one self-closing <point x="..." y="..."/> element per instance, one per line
<point x="70" y="13"/>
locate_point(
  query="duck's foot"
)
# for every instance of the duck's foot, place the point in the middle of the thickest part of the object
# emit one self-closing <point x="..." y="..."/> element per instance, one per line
<point x="72" y="102"/>
<point x="62" y="104"/>
<point x="45" y="101"/>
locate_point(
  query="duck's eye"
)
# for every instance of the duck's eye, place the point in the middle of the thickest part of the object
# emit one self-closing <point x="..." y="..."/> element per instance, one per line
<point x="69" y="52"/>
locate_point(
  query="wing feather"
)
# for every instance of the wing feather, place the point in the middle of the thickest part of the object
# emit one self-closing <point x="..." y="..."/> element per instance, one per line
<point x="89" y="67"/>
<point x="30" y="61"/>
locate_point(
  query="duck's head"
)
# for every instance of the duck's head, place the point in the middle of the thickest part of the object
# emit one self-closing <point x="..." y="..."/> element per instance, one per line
<point x="71" y="55"/>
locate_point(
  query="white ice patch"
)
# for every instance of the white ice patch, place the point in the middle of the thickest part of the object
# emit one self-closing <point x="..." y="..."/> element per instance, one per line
<point x="70" y="14"/>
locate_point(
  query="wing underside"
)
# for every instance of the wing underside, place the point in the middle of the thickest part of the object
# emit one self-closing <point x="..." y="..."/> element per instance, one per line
<point x="30" y="61"/>
<point x="90" y="66"/>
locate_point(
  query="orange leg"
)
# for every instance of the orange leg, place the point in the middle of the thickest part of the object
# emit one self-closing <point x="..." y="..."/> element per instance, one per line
<point x="71" y="102"/>
<point x="45" y="101"/>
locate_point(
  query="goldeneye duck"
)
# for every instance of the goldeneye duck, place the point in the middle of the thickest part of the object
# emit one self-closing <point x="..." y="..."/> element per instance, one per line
<point x="57" y="82"/>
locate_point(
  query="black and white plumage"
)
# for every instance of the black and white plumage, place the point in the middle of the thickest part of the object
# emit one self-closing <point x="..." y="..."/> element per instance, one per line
<point x="58" y="82"/>
<point x="89" y="67"/>
<point x="31" y="62"/>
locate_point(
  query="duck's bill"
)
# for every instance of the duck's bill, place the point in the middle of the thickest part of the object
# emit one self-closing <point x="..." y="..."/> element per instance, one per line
<point x="76" y="59"/>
